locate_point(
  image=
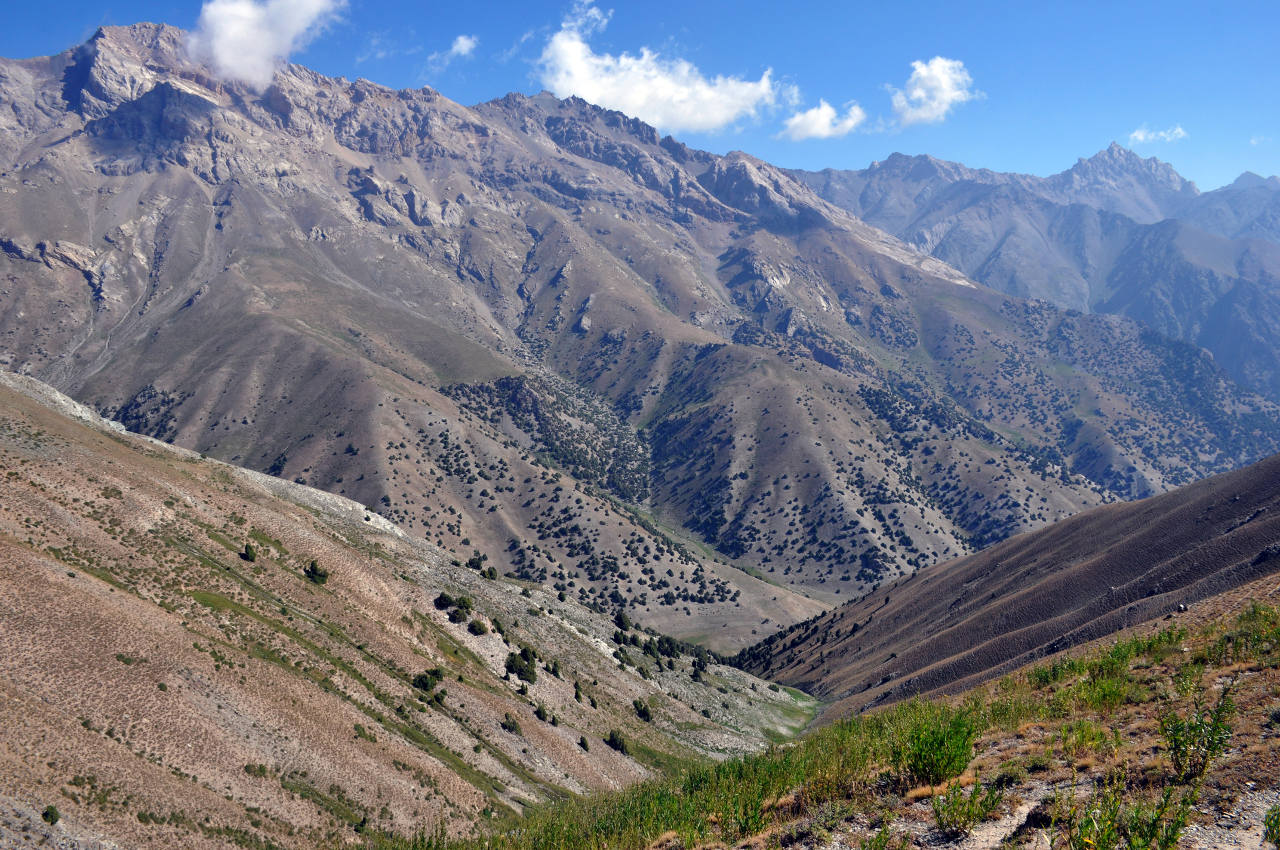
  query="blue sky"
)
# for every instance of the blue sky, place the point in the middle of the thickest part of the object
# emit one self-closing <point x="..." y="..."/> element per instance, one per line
<point x="1011" y="86"/>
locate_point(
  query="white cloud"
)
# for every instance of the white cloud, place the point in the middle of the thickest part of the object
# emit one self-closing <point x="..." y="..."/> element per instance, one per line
<point x="1258" y="140"/>
<point x="933" y="88"/>
<point x="668" y="93"/>
<point x="462" y="47"/>
<point x="586" y="18"/>
<point x="246" y="40"/>
<point x="1143" y="135"/>
<point x="822" y="122"/>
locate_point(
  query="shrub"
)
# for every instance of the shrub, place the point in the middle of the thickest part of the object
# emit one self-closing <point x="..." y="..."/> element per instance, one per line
<point x="1271" y="826"/>
<point x="935" y="743"/>
<point x="477" y="627"/>
<point x="315" y="573"/>
<point x="1159" y="826"/>
<point x="1077" y="737"/>
<point x="51" y="815"/>
<point x="523" y="664"/>
<point x="642" y="710"/>
<point x="1105" y="821"/>
<point x="616" y="741"/>
<point x="510" y="724"/>
<point x="428" y="679"/>
<point x="1011" y="773"/>
<point x="957" y="813"/>
<point x="582" y="742"/>
<point x="883" y="840"/>
<point x="1195" y="741"/>
<point x="250" y="553"/>
<point x="444" y="602"/>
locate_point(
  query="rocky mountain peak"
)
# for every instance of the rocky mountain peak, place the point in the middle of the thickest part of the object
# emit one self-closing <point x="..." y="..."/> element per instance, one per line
<point x="1119" y="180"/>
<point x="120" y="64"/>
<point x="1250" y="180"/>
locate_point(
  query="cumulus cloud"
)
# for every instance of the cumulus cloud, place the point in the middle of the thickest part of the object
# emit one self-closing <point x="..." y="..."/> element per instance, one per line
<point x="669" y="93"/>
<point x="1143" y="135"/>
<point x="933" y="88"/>
<point x="822" y="122"/>
<point x="1258" y="140"/>
<point x="247" y="40"/>
<point x="463" y="46"/>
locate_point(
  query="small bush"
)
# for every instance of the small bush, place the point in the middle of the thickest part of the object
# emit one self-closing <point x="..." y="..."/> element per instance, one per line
<point x="1079" y="737"/>
<point x="957" y="813"/>
<point x="51" y="815"/>
<point x="428" y="679"/>
<point x="1105" y="820"/>
<point x="1273" y="717"/>
<point x="1195" y="741"/>
<point x="523" y="665"/>
<point x="885" y="839"/>
<point x="477" y="627"/>
<point x="1011" y="773"/>
<point x="249" y="554"/>
<point x="617" y="742"/>
<point x="935" y="745"/>
<point x="1271" y="826"/>
<point x="582" y="742"/>
<point x="642" y="710"/>
<point x="315" y="573"/>
<point x="510" y="724"/>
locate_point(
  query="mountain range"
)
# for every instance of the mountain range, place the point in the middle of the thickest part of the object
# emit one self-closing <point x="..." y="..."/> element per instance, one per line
<point x="540" y="335"/>
<point x="1113" y="234"/>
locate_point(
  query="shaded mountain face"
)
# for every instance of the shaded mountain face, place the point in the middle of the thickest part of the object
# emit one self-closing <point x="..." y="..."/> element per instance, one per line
<point x="953" y="625"/>
<point x="196" y="655"/>
<point x="540" y="335"/>
<point x="1113" y="234"/>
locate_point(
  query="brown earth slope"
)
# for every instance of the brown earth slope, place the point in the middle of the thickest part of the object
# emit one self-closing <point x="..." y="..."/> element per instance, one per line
<point x="164" y="688"/>
<point x="952" y="625"/>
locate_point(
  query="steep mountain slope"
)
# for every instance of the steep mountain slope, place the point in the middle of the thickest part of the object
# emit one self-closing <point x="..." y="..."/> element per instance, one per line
<point x="1113" y="234"/>
<point x="163" y="685"/>
<point x="952" y="625"/>
<point x="1249" y="208"/>
<point x="535" y="332"/>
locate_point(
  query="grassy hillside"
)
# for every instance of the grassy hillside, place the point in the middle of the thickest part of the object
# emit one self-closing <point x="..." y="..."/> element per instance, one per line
<point x="1168" y="733"/>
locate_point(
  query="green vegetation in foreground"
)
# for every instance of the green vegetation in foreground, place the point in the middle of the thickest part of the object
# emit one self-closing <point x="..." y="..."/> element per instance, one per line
<point x="865" y="764"/>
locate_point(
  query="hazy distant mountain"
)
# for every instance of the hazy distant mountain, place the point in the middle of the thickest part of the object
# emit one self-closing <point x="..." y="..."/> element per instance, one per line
<point x="1249" y="208"/>
<point x="538" y="333"/>
<point x="1113" y="234"/>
